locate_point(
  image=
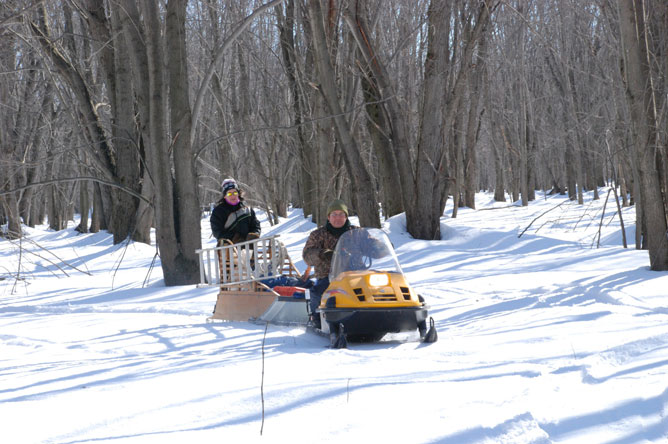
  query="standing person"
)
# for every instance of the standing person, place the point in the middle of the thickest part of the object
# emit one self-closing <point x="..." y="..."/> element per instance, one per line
<point x="319" y="249"/>
<point x="231" y="219"/>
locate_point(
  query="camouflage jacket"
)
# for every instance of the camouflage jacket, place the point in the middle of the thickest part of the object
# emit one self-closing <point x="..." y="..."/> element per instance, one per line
<point x="318" y="241"/>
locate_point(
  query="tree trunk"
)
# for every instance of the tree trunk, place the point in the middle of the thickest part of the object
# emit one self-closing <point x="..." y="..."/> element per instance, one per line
<point x="8" y="132"/>
<point x="496" y="145"/>
<point x="640" y="95"/>
<point x="102" y="153"/>
<point x="177" y="234"/>
<point x="456" y="154"/>
<point x="379" y="131"/>
<point x="499" y="186"/>
<point x="399" y="134"/>
<point x="125" y="221"/>
<point x="10" y="205"/>
<point x="96" y="218"/>
<point x="84" y="207"/>
<point x="473" y="123"/>
<point x="117" y="160"/>
<point x="286" y="26"/>
<point x="363" y="192"/>
<point x="524" y="141"/>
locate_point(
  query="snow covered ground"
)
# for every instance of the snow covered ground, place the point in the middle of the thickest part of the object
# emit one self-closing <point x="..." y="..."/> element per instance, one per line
<point x="542" y="339"/>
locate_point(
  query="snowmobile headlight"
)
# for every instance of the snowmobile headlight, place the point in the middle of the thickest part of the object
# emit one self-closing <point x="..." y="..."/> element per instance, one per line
<point x="378" y="280"/>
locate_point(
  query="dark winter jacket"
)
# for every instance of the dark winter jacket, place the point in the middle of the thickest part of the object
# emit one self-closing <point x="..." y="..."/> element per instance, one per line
<point x="228" y="221"/>
<point x="321" y="239"/>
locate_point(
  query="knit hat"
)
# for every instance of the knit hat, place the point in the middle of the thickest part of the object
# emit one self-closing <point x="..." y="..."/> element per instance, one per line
<point x="335" y="205"/>
<point x="229" y="184"/>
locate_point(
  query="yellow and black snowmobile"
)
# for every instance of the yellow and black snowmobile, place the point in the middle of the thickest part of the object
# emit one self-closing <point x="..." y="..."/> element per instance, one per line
<point x="368" y="295"/>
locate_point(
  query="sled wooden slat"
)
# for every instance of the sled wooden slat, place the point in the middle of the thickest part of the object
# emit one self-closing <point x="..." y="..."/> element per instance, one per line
<point x="248" y="261"/>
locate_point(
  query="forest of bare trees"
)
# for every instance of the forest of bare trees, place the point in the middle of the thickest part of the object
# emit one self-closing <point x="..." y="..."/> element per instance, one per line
<point x="131" y="113"/>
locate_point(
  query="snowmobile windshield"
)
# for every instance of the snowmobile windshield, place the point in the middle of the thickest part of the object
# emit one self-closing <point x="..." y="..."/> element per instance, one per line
<point x="362" y="249"/>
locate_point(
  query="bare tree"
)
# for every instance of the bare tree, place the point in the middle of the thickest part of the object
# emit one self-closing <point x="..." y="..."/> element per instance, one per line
<point x="635" y="22"/>
<point x="422" y="177"/>
<point x="400" y="103"/>
<point x="13" y="122"/>
<point x="363" y="190"/>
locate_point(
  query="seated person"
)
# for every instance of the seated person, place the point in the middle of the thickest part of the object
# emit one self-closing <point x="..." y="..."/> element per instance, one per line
<point x="319" y="249"/>
<point x="231" y="219"/>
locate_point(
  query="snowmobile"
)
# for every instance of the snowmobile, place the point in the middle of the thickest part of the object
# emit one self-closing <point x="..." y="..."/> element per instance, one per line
<point x="368" y="295"/>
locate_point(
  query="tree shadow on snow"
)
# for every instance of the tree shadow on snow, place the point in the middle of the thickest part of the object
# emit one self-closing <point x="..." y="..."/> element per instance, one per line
<point x="210" y="350"/>
<point x="569" y="427"/>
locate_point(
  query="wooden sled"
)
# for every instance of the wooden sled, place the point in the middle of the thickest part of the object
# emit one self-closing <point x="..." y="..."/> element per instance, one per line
<point x="239" y="270"/>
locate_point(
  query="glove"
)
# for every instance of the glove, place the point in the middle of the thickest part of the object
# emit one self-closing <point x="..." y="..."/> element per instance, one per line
<point x="326" y="255"/>
<point x="237" y="238"/>
<point x="252" y="236"/>
<point x="223" y="242"/>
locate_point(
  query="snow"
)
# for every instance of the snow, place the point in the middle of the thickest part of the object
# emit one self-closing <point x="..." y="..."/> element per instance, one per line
<point x="543" y="338"/>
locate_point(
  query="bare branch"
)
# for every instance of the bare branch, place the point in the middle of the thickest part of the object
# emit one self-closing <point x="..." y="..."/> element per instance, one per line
<point x="220" y="52"/>
<point x="78" y="179"/>
<point x="539" y="216"/>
